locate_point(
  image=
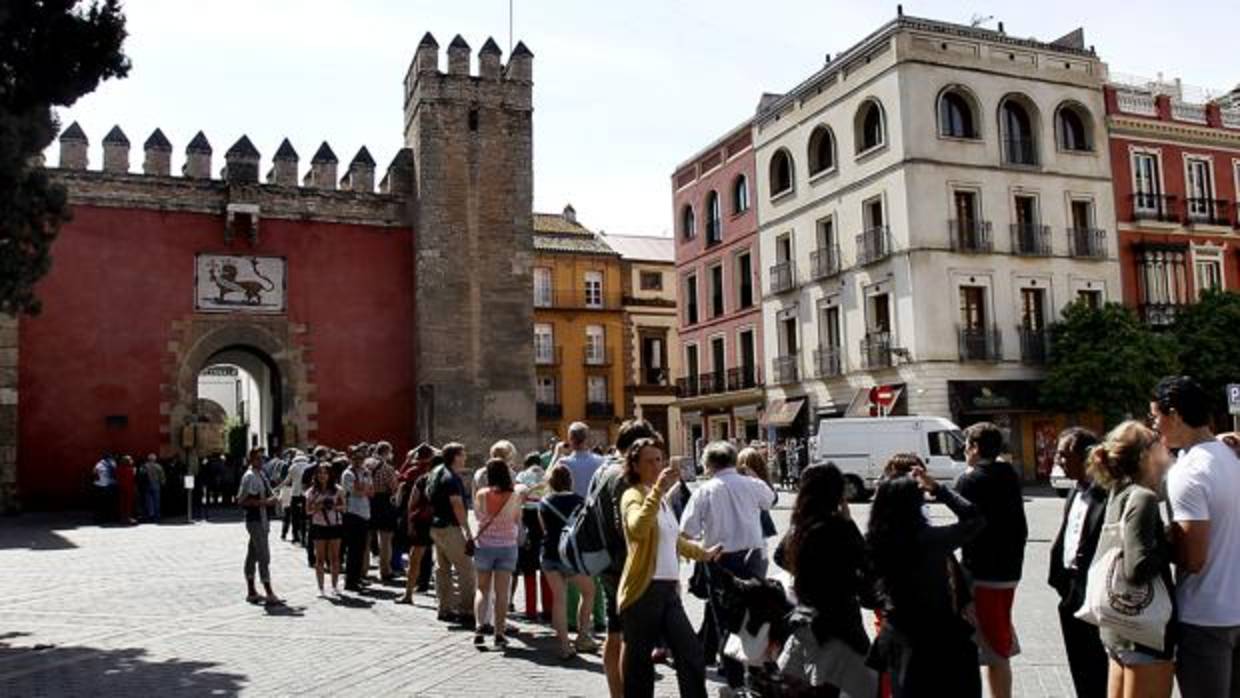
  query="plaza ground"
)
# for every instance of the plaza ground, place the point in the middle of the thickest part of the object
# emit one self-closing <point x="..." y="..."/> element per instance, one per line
<point x="160" y="610"/>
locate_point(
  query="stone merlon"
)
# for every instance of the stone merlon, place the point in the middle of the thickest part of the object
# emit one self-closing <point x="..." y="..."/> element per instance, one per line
<point x="489" y="60"/>
<point x="361" y="173"/>
<point x="284" y="166"/>
<point x="116" y="151"/>
<point x="241" y="162"/>
<point x="73" y="148"/>
<point x="322" y="174"/>
<point x="197" y="157"/>
<point x="157" y="155"/>
<point x="458" y="56"/>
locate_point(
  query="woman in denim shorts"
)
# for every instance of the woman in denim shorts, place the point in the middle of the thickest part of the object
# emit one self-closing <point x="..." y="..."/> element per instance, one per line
<point x="498" y="507"/>
<point x="554" y="510"/>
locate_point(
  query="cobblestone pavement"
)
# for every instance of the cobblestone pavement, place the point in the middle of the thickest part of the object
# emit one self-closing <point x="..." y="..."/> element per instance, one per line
<point x="159" y="610"/>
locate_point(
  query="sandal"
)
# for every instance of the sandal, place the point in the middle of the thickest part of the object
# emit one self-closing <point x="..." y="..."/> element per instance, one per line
<point x="404" y="601"/>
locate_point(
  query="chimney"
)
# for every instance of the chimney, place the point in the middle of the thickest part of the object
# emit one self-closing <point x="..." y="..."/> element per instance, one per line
<point x="241" y="162"/>
<point x="284" y="166"/>
<point x="116" y="151"/>
<point x="157" y="155"/>
<point x="197" y="158"/>
<point x="458" y="56"/>
<point x="73" y="148"/>
<point x="322" y="174"/>
<point x="570" y="213"/>
<point x="361" y="174"/>
<point x="488" y="60"/>
<point x="399" y="177"/>
<point x="427" y="56"/>
<point x="520" y="64"/>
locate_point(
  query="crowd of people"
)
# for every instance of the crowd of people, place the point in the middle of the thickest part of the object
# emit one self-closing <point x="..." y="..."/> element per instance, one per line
<point x="126" y="492"/>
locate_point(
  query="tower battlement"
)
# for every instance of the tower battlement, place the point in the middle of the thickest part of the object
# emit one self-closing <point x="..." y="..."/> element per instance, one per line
<point x="495" y="84"/>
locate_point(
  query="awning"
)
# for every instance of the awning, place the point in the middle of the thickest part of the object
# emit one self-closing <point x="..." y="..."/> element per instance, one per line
<point x="745" y="412"/>
<point x="782" y="413"/>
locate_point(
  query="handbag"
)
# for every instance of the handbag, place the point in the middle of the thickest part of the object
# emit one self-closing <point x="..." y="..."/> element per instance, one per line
<point x="1136" y="612"/>
<point x="471" y="547"/>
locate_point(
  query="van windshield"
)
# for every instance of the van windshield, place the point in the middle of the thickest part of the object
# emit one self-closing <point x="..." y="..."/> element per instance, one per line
<point x="947" y="443"/>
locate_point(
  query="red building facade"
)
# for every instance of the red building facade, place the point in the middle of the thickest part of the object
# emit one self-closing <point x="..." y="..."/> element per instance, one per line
<point x="719" y="295"/>
<point x="1176" y="171"/>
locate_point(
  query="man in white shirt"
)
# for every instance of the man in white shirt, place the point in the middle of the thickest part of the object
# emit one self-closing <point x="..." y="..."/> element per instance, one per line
<point x="295" y="517"/>
<point x="726" y="510"/>
<point x="105" y="489"/>
<point x="582" y="462"/>
<point x="1203" y="488"/>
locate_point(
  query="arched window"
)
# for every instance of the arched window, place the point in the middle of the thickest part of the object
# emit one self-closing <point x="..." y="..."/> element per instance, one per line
<point x="956" y="118"/>
<point x="714" y="219"/>
<point x="781" y="172"/>
<point x="688" y="227"/>
<point x="821" y="150"/>
<point x="1019" y="144"/>
<point x="1072" y="125"/>
<point x="869" y="127"/>
<point x="740" y="194"/>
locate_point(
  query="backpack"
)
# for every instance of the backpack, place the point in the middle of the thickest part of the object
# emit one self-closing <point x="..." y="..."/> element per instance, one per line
<point x="583" y="543"/>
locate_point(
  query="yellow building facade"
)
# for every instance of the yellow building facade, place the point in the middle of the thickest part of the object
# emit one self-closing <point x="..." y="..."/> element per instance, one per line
<point x="579" y="347"/>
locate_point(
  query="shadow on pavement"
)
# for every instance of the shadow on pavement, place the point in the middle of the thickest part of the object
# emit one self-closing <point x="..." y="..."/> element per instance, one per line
<point x="33" y="538"/>
<point x="72" y="670"/>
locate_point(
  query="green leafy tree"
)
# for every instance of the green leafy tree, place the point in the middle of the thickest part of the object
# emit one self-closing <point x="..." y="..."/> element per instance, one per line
<point x="51" y="53"/>
<point x="1105" y="360"/>
<point x="1207" y="335"/>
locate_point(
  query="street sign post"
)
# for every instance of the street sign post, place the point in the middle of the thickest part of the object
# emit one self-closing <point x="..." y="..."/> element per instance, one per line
<point x="1233" y="404"/>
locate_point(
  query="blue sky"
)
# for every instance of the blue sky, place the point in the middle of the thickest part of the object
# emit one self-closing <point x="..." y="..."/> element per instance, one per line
<point x="623" y="91"/>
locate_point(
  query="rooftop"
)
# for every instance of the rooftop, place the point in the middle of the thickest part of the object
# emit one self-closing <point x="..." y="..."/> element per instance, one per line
<point x="643" y="248"/>
<point x="560" y="232"/>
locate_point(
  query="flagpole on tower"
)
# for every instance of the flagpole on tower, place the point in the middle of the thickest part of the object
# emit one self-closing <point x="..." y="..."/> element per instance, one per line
<point x="510" y="27"/>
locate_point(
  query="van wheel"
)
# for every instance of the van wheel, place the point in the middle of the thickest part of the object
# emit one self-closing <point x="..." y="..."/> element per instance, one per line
<point x="854" y="489"/>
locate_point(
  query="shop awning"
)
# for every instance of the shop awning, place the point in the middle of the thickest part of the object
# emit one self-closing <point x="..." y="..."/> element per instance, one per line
<point x="782" y="413"/>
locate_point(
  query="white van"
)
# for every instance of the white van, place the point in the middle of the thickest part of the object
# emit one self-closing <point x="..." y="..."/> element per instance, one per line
<point x="860" y="447"/>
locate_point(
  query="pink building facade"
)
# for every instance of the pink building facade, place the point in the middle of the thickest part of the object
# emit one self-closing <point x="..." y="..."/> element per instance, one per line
<point x="720" y="386"/>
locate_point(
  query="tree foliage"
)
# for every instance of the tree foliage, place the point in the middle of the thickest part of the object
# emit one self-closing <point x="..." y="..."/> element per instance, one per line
<point x="1105" y="360"/>
<point x="1207" y="336"/>
<point x="51" y="53"/>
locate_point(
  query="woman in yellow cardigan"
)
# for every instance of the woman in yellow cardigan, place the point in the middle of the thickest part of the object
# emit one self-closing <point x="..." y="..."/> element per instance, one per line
<point x="649" y="592"/>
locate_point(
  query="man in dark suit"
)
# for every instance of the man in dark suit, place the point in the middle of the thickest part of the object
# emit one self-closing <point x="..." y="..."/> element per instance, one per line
<point x="1071" y="555"/>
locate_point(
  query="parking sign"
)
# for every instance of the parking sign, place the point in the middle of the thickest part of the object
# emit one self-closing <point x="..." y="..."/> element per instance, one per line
<point x="1233" y="398"/>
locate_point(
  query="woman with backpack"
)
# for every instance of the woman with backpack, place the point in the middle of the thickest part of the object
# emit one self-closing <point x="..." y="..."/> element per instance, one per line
<point x="554" y="511"/>
<point x="498" y="507"/>
<point x="323" y="504"/>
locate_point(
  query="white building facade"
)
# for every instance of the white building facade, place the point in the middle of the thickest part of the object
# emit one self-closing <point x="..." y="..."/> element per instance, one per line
<point x="928" y="203"/>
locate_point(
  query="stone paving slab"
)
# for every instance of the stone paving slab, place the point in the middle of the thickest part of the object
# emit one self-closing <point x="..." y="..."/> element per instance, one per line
<point x="159" y="610"/>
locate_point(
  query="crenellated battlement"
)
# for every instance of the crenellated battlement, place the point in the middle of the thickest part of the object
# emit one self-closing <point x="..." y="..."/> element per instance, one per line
<point x="495" y="84"/>
<point x="241" y="162"/>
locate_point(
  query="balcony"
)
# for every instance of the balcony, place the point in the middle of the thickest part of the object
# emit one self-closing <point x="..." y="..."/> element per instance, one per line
<point x="598" y="357"/>
<point x="688" y="387"/>
<point x="970" y="236"/>
<point x="1159" y="314"/>
<point x="549" y="410"/>
<point x="576" y="299"/>
<point x="712" y="383"/>
<point x="1153" y="207"/>
<point x="783" y="277"/>
<point x="827" y="362"/>
<point x="786" y="369"/>
<point x="1020" y="151"/>
<point x="1087" y="243"/>
<point x="731" y="380"/>
<point x="874" y="245"/>
<point x="548" y="355"/>
<point x="979" y="344"/>
<point x="1207" y="211"/>
<point x="1034" y="345"/>
<point x="824" y="262"/>
<point x="876" y="351"/>
<point x="743" y="378"/>
<point x="654" y="377"/>
<point x="600" y="410"/>
<point x="1031" y="240"/>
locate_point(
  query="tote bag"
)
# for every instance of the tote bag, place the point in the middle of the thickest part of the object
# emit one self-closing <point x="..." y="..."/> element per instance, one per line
<point x="1136" y="612"/>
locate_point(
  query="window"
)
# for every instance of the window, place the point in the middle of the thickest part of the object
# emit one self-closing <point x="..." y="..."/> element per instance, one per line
<point x="718" y="364"/>
<point x="688" y="227"/>
<point x="781" y="172"/>
<point x="1033" y="309"/>
<point x="716" y="290"/>
<point x="1082" y="214"/>
<point x="594" y="289"/>
<point x="788" y="344"/>
<point x="1200" y="189"/>
<point x="1019" y="146"/>
<point x="651" y="281"/>
<point x="542" y="287"/>
<point x="692" y="366"/>
<point x="830" y="335"/>
<point x="596" y="347"/>
<point x="1091" y="298"/>
<point x="1072" y="125"/>
<point x="691" y="300"/>
<point x="872" y="213"/>
<point x="749" y="359"/>
<point x="967" y="233"/>
<point x="821" y="151"/>
<point x="946" y="443"/>
<point x="878" y="319"/>
<point x="869" y="126"/>
<point x="973" y="307"/>
<point x="1146" y="181"/>
<point x="1208" y="269"/>
<point x="740" y="195"/>
<point x="544" y="391"/>
<point x="596" y="389"/>
<point x="714" y="226"/>
<point x="783" y="248"/>
<point x="653" y="370"/>
<point x="956" y="115"/>
<point x="544" y="344"/>
<point x="744" y="279"/>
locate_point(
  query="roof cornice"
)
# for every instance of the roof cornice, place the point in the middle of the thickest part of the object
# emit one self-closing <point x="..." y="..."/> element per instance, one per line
<point x="1119" y="124"/>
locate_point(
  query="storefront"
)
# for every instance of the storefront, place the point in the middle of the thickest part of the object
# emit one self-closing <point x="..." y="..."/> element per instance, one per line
<point x="1031" y="434"/>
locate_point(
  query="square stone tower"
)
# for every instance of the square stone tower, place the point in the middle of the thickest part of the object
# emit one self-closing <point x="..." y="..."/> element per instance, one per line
<point x="472" y="145"/>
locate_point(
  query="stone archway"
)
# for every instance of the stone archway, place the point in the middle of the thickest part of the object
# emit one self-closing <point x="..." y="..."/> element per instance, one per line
<point x="200" y="338"/>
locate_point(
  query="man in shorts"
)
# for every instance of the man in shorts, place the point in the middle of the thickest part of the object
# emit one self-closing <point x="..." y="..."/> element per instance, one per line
<point x="994" y="559"/>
